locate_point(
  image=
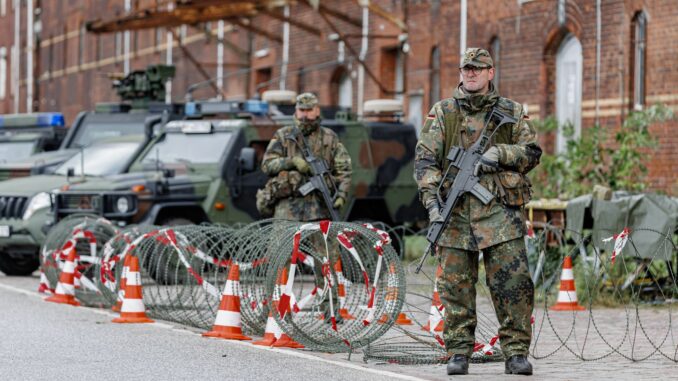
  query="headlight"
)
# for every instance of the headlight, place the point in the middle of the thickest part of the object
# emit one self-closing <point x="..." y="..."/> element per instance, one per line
<point x="122" y="205"/>
<point x="39" y="201"/>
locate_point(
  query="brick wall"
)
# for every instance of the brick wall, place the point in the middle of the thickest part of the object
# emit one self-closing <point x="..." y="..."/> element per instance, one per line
<point x="72" y="69"/>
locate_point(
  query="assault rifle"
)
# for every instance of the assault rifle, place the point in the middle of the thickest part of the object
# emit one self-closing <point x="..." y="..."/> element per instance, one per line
<point x="319" y="170"/>
<point x="467" y="162"/>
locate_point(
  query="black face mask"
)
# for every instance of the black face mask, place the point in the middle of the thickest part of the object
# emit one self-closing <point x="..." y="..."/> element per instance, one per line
<point x="307" y="126"/>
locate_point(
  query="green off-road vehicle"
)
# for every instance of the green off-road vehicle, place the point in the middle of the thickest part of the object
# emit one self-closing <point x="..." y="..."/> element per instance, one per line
<point x="207" y="168"/>
<point x="103" y="142"/>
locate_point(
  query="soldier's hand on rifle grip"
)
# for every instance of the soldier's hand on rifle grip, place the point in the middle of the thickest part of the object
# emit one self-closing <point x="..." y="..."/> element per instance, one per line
<point x="489" y="163"/>
<point x="301" y="165"/>
<point x="339" y="203"/>
<point x="434" y="213"/>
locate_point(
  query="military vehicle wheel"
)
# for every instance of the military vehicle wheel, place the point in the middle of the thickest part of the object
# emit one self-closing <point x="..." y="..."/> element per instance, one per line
<point x="21" y="266"/>
<point x="166" y="269"/>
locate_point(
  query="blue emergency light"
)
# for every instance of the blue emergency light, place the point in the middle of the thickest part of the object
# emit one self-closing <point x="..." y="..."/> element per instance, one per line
<point x="40" y="119"/>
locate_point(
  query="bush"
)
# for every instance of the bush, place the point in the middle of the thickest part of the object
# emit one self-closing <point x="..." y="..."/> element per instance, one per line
<point x="591" y="160"/>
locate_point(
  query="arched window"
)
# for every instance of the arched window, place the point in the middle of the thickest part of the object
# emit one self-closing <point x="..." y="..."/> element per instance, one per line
<point x="568" y="90"/>
<point x="639" y="47"/>
<point x="434" y="89"/>
<point x="342" y="88"/>
<point x="495" y="52"/>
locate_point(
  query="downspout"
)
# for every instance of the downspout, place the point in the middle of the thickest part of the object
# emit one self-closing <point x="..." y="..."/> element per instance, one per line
<point x="220" y="58"/>
<point x="362" y="56"/>
<point x="29" y="55"/>
<point x="598" y="31"/>
<point x="462" y="29"/>
<point x="168" y="59"/>
<point x="16" y="61"/>
<point x="285" y="49"/>
<point x="128" y="7"/>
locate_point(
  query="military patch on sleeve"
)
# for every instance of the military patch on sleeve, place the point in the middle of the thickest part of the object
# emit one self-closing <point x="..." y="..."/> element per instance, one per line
<point x="430" y="116"/>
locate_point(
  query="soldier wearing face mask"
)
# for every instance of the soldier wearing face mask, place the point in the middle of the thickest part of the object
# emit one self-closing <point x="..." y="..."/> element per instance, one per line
<point x="285" y="164"/>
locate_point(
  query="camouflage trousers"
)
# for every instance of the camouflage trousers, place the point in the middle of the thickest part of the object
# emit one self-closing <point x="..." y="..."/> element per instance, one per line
<point x="511" y="289"/>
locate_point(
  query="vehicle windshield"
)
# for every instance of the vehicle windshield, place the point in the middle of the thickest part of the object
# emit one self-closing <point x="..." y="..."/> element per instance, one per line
<point x="188" y="148"/>
<point x="92" y="132"/>
<point x="101" y="159"/>
<point x="10" y="151"/>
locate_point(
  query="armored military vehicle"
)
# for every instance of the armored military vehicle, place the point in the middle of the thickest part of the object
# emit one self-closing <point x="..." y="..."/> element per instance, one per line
<point x="101" y="143"/>
<point x="142" y="94"/>
<point x="23" y="135"/>
<point x="206" y="167"/>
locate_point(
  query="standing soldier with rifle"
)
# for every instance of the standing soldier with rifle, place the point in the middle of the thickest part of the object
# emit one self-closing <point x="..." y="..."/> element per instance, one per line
<point x="471" y="162"/>
<point x="298" y="155"/>
<point x="310" y="174"/>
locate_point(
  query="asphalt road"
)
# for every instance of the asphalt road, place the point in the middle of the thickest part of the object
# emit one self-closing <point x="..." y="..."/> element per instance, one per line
<point x="47" y="341"/>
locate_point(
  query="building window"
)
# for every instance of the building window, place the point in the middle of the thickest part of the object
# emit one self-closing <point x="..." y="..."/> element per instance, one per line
<point x="341" y="88"/>
<point x="434" y="92"/>
<point x="159" y="32"/>
<point x="3" y="7"/>
<point x="569" y="81"/>
<point x="50" y="57"/>
<point x="301" y="79"/>
<point x="118" y="45"/>
<point x="81" y="45"/>
<point x="496" y="57"/>
<point x="639" y="48"/>
<point x="3" y="71"/>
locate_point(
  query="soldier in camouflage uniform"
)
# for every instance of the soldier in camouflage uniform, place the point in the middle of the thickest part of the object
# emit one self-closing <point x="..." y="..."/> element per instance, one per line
<point x="496" y="229"/>
<point x="285" y="164"/>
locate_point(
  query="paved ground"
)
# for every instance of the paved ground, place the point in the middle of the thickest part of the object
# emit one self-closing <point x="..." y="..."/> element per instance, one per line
<point x="49" y="341"/>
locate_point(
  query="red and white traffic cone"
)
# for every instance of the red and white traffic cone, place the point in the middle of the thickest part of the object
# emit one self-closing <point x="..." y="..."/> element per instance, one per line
<point x="567" y="295"/>
<point x="133" y="309"/>
<point x="283" y="340"/>
<point x="272" y="332"/>
<point x="44" y="283"/>
<point x="123" y="283"/>
<point x="65" y="290"/>
<point x="341" y="291"/>
<point x="437" y="310"/>
<point x="227" y="324"/>
<point x="391" y="296"/>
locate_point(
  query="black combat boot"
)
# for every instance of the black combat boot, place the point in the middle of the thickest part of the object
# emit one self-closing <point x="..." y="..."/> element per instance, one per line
<point x="518" y="364"/>
<point x="458" y="364"/>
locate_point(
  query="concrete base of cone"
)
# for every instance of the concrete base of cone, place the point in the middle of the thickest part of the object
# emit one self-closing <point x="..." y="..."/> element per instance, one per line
<point x="226" y="335"/>
<point x="403" y="319"/>
<point x="343" y="312"/>
<point x="568" y="307"/>
<point x="286" y="342"/>
<point x="267" y="341"/>
<point x="132" y="320"/>
<point x="63" y="299"/>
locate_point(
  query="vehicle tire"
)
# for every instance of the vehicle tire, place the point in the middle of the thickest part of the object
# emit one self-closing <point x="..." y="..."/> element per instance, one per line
<point x="21" y="266"/>
<point x="167" y="270"/>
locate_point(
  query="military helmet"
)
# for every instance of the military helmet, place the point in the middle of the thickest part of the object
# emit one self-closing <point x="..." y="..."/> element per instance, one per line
<point x="476" y="57"/>
<point x="306" y="101"/>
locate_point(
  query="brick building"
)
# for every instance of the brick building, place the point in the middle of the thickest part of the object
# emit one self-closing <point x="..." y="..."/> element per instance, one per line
<point x="584" y="61"/>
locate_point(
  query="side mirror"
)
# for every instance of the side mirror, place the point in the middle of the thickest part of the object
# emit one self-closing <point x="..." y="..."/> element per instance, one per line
<point x="70" y="172"/>
<point x="247" y="159"/>
<point x="168" y="173"/>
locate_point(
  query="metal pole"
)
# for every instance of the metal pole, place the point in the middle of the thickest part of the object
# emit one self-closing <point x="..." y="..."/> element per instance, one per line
<point x="128" y="7"/>
<point x="220" y="58"/>
<point x="29" y="55"/>
<point x="285" y="49"/>
<point x="362" y="56"/>
<point x="16" y="56"/>
<point x="168" y="59"/>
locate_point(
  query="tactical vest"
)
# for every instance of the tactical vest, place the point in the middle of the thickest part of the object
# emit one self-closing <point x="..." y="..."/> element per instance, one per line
<point x="512" y="188"/>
